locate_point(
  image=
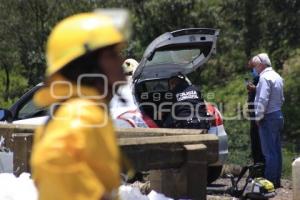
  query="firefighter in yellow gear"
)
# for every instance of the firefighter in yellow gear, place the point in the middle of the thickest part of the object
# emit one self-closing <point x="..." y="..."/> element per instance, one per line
<point x="75" y="154"/>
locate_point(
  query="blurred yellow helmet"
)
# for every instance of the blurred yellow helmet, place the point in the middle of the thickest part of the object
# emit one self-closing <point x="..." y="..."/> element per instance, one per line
<point x="129" y="66"/>
<point x="77" y="35"/>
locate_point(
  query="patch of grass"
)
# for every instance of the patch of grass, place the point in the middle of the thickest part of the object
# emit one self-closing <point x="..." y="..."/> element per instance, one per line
<point x="288" y="155"/>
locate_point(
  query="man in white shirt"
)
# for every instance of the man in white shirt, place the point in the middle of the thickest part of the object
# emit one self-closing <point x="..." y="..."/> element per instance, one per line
<point x="268" y="101"/>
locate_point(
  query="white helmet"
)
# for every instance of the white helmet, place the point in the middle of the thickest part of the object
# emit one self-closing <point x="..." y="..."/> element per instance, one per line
<point x="129" y="66"/>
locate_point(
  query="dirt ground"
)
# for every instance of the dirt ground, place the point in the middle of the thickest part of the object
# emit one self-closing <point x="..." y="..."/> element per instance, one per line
<point x="283" y="193"/>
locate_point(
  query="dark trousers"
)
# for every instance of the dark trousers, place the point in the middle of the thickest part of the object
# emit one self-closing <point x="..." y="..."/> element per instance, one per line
<point x="256" y="150"/>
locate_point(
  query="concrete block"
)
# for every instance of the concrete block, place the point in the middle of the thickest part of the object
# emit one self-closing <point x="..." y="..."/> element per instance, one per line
<point x="189" y="181"/>
<point x="296" y="179"/>
<point x="22" y="143"/>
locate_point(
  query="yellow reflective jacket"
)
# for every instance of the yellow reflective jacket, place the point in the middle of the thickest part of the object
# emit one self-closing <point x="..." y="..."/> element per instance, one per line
<point x="75" y="155"/>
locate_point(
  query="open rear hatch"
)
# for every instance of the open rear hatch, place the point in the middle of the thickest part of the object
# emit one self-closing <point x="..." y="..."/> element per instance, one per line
<point x="178" y="51"/>
<point x="181" y="51"/>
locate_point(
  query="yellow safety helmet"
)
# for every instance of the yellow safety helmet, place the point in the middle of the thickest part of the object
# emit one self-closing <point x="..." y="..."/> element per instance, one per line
<point x="129" y="66"/>
<point x="78" y="34"/>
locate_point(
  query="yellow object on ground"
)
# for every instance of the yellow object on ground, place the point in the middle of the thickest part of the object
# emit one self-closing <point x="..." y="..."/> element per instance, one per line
<point x="266" y="184"/>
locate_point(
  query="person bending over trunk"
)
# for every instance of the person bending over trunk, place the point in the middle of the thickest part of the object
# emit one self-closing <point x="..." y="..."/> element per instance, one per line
<point x="188" y="109"/>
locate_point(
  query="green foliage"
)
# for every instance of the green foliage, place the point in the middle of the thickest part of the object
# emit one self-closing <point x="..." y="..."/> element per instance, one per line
<point x="24" y="28"/>
<point x="18" y="86"/>
<point x="291" y="75"/>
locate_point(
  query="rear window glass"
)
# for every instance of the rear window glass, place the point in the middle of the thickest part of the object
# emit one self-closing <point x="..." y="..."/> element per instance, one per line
<point x="181" y="56"/>
<point x="157" y="86"/>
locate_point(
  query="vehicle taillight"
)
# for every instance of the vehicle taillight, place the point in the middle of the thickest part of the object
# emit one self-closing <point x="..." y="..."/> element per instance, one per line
<point x="150" y="123"/>
<point x="217" y="118"/>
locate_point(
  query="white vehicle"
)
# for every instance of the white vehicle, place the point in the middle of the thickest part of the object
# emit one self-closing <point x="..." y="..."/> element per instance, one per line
<point x="181" y="51"/>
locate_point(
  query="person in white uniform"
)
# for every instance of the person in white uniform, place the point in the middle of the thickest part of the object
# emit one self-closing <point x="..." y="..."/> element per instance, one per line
<point x="124" y="101"/>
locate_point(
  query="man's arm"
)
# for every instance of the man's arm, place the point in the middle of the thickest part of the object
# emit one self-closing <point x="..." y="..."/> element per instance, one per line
<point x="251" y="87"/>
<point x="262" y="97"/>
<point x="282" y="93"/>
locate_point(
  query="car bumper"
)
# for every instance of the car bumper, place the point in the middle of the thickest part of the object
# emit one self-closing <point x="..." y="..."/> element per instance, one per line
<point x="223" y="144"/>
